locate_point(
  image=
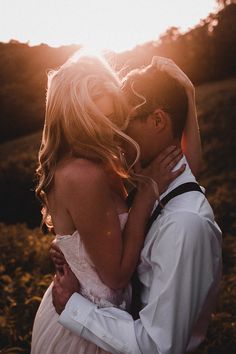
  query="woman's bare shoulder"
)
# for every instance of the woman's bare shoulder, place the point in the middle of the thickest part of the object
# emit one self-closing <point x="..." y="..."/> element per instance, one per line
<point x="84" y="183"/>
<point x="79" y="171"/>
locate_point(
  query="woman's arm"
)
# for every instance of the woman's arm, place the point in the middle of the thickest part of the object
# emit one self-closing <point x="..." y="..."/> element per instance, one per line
<point x="93" y="212"/>
<point x="94" y="215"/>
<point x="191" y="141"/>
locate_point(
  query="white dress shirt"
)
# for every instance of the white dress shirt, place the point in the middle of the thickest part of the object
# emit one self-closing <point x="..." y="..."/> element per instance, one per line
<point x="179" y="270"/>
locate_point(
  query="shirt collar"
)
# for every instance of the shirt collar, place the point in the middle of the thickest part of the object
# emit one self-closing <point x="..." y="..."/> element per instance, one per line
<point x="186" y="176"/>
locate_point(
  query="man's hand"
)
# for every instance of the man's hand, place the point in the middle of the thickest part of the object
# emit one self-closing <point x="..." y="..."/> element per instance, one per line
<point x="65" y="285"/>
<point x="57" y="256"/>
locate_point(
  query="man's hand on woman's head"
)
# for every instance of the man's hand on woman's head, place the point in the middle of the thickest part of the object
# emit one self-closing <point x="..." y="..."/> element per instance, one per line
<point x="65" y="284"/>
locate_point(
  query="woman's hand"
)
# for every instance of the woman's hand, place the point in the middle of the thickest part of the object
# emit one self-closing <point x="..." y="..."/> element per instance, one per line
<point x="161" y="169"/>
<point x="65" y="284"/>
<point x="167" y="65"/>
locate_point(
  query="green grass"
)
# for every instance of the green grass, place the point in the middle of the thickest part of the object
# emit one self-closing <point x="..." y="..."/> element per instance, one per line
<point x="25" y="273"/>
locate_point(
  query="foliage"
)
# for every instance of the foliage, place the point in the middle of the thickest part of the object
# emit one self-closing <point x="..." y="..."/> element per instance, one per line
<point x="221" y="337"/>
<point x="216" y="103"/>
<point x="25" y="273"/>
<point x="17" y="169"/>
<point x="24" y="276"/>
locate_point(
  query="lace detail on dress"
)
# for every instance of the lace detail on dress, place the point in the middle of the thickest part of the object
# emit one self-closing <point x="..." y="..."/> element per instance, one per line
<point x="92" y="286"/>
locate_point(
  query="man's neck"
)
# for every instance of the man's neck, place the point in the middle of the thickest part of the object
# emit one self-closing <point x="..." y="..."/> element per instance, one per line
<point x="186" y="176"/>
<point x="173" y="142"/>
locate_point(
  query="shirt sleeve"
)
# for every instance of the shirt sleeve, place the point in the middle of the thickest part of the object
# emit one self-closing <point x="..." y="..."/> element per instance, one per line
<point x="183" y="272"/>
<point x="109" y="328"/>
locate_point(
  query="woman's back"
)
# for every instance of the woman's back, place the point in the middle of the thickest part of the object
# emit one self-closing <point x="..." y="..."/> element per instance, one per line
<point x="69" y="239"/>
<point x="61" y="193"/>
<point x="91" y="286"/>
<point x="48" y="335"/>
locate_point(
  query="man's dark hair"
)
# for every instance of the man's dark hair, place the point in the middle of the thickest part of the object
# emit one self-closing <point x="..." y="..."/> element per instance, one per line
<point x="157" y="90"/>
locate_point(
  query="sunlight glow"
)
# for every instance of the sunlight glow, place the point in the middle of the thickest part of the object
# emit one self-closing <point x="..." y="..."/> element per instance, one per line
<point x="112" y="24"/>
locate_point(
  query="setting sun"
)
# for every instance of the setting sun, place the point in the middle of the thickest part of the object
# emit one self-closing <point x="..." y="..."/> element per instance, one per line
<point x="111" y="24"/>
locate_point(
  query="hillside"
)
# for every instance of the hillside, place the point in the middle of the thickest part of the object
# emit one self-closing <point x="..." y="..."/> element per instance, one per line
<point x="17" y="166"/>
<point x="17" y="147"/>
<point x="216" y="103"/>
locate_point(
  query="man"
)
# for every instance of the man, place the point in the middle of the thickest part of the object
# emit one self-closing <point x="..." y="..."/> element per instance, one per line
<point x="180" y="262"/>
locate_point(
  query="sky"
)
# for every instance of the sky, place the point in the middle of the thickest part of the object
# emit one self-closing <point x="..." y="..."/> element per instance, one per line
<point x="99" y="24"/>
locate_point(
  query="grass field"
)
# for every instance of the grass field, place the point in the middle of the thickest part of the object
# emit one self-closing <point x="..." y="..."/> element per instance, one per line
<point x="25" y="268"/>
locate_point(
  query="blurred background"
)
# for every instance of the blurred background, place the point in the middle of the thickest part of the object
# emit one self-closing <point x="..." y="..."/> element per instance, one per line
<point x="36" y="36"/>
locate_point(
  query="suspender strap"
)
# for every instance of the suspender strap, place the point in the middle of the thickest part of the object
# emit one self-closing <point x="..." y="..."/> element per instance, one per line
<point x="136" y="285"/>
<point x="183" y="188"/>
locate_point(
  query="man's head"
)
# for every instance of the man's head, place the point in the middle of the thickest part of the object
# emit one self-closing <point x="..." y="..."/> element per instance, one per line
<point x="159" y="110"/>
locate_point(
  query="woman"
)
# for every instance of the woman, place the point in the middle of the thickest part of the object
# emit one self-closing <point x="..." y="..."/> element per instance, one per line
<point x="81" y="175"/>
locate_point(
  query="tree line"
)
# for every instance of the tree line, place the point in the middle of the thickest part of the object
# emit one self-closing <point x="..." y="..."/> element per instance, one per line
<point x="207" y="52"/>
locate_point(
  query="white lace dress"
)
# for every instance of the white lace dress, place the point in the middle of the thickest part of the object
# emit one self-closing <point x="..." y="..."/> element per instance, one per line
<point x="48" y="335"/>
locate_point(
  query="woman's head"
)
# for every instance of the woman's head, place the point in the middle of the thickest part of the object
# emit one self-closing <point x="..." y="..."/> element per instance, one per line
<point x="71" y="109"/>
<point x="85" y="115"/>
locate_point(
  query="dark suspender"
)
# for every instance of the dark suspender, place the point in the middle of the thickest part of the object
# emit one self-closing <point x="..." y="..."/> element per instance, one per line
<point x="183" y="188"/>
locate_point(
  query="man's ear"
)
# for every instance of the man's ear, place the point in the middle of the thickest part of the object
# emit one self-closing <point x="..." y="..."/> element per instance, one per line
<point x="159" y="119"/>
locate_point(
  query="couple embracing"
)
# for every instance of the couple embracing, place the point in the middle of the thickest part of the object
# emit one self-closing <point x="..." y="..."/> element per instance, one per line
<point x="102" y="138"/>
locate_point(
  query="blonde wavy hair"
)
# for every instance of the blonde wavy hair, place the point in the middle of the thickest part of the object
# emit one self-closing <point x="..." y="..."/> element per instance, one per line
<point x="75" y="126"/>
